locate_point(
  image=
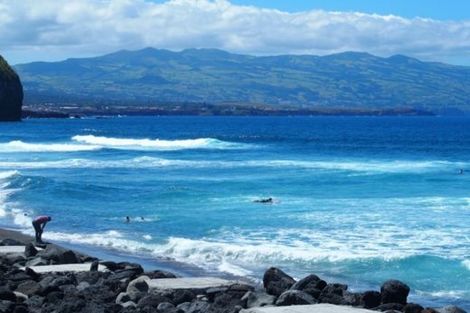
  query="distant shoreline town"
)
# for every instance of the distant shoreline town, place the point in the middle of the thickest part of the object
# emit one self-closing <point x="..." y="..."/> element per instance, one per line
<point x="197" y="109"/>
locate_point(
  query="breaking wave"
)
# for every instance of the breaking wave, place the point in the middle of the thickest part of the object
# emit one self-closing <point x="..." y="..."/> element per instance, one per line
<point x="91" y="143"/>
<point x="155" y="144"/>
<point x="376" y="167"/>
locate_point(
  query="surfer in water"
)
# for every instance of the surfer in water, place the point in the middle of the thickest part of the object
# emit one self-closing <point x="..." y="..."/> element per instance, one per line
<point x="128" y="219"/>
<point x="268" y="200"/>
<point x="39" y="223"/>
<point x="461" y="171"/>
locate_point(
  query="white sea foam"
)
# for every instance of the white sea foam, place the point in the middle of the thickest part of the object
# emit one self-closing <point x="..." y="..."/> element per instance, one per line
<point x="153" y="162"/>
<point x="155" y="144"/>
<point x="8" y="174"/>
<point x="20" y="146"/>
<point x="466" y="263"/>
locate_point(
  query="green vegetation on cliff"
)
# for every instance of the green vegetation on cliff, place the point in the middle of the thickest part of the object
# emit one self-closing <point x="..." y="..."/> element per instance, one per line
<point x="345" y="80"/>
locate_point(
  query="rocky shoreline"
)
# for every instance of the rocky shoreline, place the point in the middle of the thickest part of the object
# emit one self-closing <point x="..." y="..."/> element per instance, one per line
<point x="125" y="287"/>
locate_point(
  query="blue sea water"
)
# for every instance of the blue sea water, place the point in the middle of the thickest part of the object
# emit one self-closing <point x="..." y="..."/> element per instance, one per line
<point x="356" y="199"/>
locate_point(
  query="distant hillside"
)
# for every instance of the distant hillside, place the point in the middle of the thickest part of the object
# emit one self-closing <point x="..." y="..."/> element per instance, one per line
<point x="11" y="93"/>
<point x="353" y="80"/>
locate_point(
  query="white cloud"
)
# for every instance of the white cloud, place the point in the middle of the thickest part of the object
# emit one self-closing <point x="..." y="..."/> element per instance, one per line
<point x="51" y="29"/>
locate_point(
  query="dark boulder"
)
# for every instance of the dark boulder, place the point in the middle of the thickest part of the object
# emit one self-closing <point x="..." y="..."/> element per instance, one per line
<point x="7" y="306"/>
<point x="389" y="307"/>
<point x="11" y="93"/>
<point x="6" y="294"/>
<point x="29" y="287"/>
<point x="310" y="282"/>
<point x="159" y="274"/>
<point x="352" y="298"/>
<point x="195" y="307"/>
<point x="182" y="296"/>
<point x="394" y="291"/>
<point x="412" y="308"/>
<point x="295" y="297"/>
<point x="152" y="301"/>
<point x="371" y="299"/>
<point x="257" y="299"/>
<point x="276" y="282"/>
<point x="30" y="250"/>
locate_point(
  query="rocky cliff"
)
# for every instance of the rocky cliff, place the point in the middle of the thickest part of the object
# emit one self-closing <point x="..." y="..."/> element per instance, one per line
<point x="11" y="93"/>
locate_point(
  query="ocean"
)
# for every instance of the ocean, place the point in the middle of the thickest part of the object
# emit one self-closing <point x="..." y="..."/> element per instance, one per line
<point x="357" y="200"/>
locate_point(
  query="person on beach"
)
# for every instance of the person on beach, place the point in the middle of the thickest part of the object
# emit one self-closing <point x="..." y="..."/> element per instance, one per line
<point x="39" y="223"/>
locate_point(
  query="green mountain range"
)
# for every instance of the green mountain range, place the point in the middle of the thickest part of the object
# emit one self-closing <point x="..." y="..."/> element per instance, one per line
<point x="345" y="80"/>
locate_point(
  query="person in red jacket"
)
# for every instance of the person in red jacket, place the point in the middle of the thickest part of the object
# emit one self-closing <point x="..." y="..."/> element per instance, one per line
<point x="39" y="223"/>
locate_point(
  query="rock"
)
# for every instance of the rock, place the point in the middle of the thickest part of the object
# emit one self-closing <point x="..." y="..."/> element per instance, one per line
<point x="30" y="250"/>
<point x="253" y="299"/>
<point x="128" y="304"/>
<point x="450" y="309"/>
<point x="353" y="298"/>
<point x="275" y="281"/>
<point x="394" y="291"/>
<point x="55" y="296"/>
<point x="29" y="288"/>
<point x="21" y="309"/>
<point x="94" y="266"/>
<point x="195" y="307"/>
<point x="31" y="273"/>
<point x="389" y="306"/>
<point x="122" y="298"/>
<point x="82" y="286"/>
<point x="138" y="287"/>
<point x="20" y="297"/>
<point x="152" y="301"/>
<point x="165" y="306"/>
<point x="211" y="293"/>
<point x="35" y="301"/>
<point x="182" y="296"/>
<point x="6" y="294"/>
<point x="36" y="262"/>
<point x="159" y="274"/>
<point x="371" y="299"/>
<point x="112" y="266"/>
<point x="7" y="306"/>
<point x="312" y="281"/>
<point x="412" y="308"/>
<point x="295" y="297"/>
<point x="68" y="257"/>
<point x="333" y="294"/>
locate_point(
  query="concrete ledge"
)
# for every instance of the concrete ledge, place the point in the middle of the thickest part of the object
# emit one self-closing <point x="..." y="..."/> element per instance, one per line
<point x="12" y="249"/>
<point x="199" y="283"/>
<point x="81" y="267"/>
<point x="313" y="308"/>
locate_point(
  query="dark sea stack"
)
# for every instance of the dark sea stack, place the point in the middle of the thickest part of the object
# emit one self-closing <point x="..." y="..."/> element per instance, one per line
<point x="11" y="93"/>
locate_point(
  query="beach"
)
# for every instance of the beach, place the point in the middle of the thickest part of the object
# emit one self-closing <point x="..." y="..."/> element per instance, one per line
<point x="56" y="279"/>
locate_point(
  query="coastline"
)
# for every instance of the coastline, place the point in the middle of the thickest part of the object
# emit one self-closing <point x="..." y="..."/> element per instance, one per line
<point x="275" y="282"/>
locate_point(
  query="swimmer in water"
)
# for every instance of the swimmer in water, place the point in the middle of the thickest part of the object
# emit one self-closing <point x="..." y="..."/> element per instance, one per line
<point x="268" y="200"/>
<point x="128" y="219"/>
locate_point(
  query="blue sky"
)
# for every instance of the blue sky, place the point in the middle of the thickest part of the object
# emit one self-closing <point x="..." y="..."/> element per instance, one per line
<point x="51" y="30"/>
<point x="436" y="9"/>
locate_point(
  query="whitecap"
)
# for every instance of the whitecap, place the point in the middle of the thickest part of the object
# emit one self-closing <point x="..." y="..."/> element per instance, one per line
<point x="155" y="144"/>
